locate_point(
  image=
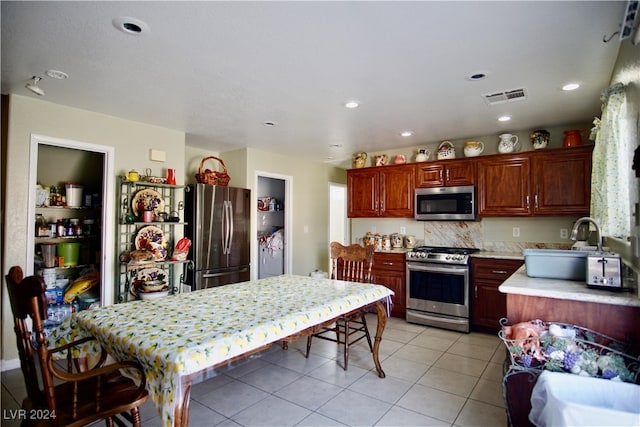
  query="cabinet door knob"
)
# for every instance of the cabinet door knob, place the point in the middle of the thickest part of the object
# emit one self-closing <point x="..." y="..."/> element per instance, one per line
<point x="476" y="290"/>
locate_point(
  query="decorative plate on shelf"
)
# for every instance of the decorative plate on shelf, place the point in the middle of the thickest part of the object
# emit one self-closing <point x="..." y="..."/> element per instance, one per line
<point x="150" y="274"/>
<point x="147" y="200"/>
<point x="143" y="283"/>
<point x="149" y="234"/>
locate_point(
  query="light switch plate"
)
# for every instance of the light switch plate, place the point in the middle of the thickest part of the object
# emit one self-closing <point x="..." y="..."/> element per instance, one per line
<point x="516" y="231"/>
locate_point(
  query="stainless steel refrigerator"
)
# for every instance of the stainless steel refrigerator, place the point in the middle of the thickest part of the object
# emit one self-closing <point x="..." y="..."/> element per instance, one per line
<point x="218" y="226"/>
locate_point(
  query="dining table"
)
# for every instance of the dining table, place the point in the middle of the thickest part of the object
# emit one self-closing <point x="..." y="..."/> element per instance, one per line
<point x="186" y="338"/>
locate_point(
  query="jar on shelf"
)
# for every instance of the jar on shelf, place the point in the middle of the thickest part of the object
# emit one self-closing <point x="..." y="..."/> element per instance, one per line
<point x="42" y="228"/>
<point x="87" y="227"/>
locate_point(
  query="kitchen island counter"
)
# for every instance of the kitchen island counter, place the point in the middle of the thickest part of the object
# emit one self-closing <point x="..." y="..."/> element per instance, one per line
<point x="615" y="314"/>
<point x="521" y="284"/>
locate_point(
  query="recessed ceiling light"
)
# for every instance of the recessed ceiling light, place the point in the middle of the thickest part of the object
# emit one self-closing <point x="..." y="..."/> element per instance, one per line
<point x="504" y="118"/>
<point x="56" y="74"/>
<point x="270" y="124"/>
<point x="571" y="86"/>
<point x="406" y="133"/>
<point x="480" y="75"/>
<point x="352" y="104"/>
<point x="132" y="26"/>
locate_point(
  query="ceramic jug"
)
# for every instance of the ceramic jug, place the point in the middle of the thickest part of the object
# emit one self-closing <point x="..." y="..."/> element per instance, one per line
<point x="446" y="150"/>
<point x="359" y="160"/>
<point x="396" y="240"/>
<point x="539" y="139"/>
<point x="423" y="155"/>
<point x="572" y="138"/>
<point x="382" y="159"/>
<point x="400" y="159"/>
<point x="508" y="143"/>
<point x="473" y="148"/>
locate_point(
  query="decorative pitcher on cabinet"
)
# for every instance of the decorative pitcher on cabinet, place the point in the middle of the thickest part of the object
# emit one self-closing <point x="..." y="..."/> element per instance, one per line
<point x="508" y="143"/>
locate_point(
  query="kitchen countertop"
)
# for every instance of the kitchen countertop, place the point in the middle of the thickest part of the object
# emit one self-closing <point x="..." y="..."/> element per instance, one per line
<point x="521" y="284"/>
<point x="498" y="255"/>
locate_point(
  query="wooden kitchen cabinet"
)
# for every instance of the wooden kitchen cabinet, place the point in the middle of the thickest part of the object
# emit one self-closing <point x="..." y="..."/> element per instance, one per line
<point x="488" y="304"/>
<point x="562" y="182"/>
<point x="504" y="185"/>
<point x="389" y="270"/>
<point x="446" y="173"/>
<point x="384" y="191"/>
<point x="552" y="182"/>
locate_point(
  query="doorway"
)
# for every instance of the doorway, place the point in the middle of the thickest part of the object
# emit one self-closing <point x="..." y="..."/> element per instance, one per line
<point x="273" y="224"/>
<point x="339" y="230"/>
<point x="81" y="161"/>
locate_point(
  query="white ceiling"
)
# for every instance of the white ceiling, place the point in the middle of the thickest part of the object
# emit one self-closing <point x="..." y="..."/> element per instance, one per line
<point x="219" y="70"/>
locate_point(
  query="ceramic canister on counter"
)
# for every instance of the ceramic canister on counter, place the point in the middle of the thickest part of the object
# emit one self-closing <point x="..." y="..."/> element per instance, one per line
<point x="396" y="240"/>
<point x="409" y="241"/>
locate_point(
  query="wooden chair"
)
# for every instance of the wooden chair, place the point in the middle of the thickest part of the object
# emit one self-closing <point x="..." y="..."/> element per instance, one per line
<point x="352" y="263"/>
<point x="76" y="396"/>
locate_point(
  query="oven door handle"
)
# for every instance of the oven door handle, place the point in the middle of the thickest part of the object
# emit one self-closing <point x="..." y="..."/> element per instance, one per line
<point x="436" y="269"/>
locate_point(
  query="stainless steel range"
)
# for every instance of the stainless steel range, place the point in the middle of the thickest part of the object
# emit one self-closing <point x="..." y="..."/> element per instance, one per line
<point x="438" y="287"/>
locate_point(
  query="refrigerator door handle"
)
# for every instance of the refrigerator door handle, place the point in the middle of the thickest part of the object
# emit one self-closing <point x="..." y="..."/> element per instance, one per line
<point x="230" y="228"/>
<point x="225" y="228"/>
<point x="225" y="273"/>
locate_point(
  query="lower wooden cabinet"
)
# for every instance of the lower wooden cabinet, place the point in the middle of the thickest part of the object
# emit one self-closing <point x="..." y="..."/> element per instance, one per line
<point x="488" y="304"/>
<point x="389" y="270"/>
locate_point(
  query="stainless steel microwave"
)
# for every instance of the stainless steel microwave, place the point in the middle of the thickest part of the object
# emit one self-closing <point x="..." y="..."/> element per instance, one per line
<point x="446" y="203"/>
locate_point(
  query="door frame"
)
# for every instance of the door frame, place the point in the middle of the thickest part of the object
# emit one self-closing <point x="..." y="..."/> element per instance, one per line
<point x="288" y="222"/>
<point x="346" y="238"/>
<point x="107" y="272"/>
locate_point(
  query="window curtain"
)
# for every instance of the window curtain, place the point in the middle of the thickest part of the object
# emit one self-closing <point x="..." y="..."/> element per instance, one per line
<point x="611" y="168"/>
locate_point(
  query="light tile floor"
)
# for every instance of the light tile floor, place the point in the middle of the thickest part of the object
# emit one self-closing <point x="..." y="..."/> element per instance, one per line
<point x="434" y="378"/>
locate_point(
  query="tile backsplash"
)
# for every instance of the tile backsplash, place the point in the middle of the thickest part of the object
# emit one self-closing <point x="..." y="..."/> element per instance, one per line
<point x="489" y="234"/>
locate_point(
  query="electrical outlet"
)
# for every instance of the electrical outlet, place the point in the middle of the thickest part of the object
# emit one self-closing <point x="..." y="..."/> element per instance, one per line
<point x="564" y="233"/>
<point x="373" y="229"/>
<point x="305" y="229"/>
<point x="403" y="230"/>
<point x="516" y="231"/>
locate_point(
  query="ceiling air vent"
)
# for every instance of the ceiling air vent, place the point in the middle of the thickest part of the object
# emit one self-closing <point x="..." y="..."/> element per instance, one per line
<point x="506" y="96"/>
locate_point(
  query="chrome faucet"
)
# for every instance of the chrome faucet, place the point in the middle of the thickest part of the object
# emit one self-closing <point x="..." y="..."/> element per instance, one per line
<point x="574" y="232"/>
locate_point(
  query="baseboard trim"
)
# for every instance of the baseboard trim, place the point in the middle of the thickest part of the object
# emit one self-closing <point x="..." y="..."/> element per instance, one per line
<point x="8" y="365"/>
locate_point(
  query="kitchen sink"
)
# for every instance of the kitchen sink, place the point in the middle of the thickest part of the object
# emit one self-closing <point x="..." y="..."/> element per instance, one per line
<point x="556" y="263"/>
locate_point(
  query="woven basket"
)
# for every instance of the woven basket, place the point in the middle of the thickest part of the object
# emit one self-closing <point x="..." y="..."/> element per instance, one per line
<point x="207" y="176"/>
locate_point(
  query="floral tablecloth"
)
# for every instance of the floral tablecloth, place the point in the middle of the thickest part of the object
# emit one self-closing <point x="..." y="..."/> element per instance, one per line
<point x="188" y="333"/>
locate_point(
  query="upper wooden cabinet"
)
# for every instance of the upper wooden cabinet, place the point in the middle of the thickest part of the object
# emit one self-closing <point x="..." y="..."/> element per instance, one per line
<point x="552" y="182"/>
<point x="504" y="185"/>
<point x="561" y="182"/>
<point x="446" y="173"/>
<point x="384" y="191"/>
